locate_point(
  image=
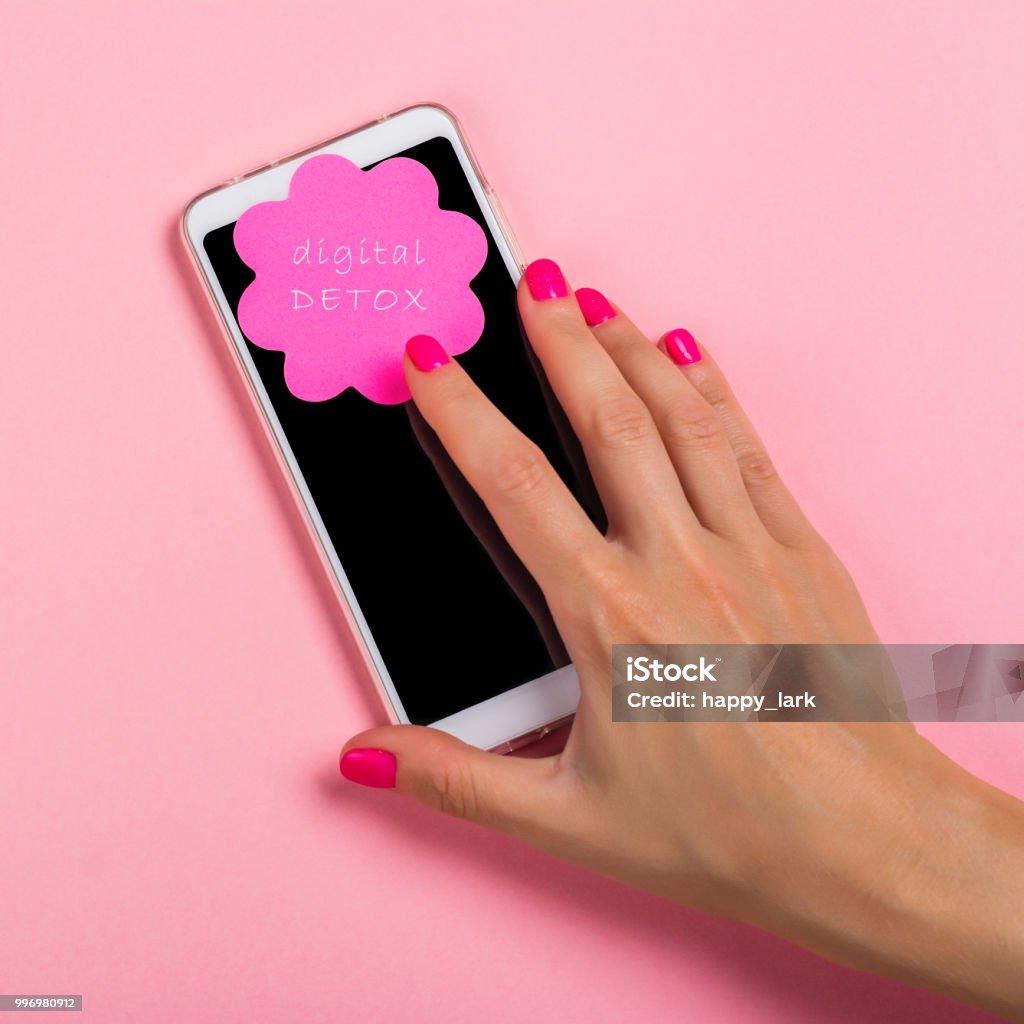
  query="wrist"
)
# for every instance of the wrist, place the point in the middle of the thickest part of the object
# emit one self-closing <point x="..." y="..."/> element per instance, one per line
<point x="889" y="878"/>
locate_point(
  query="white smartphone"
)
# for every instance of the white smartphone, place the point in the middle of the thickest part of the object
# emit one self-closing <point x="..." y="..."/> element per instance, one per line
<point x="454" y="633"/>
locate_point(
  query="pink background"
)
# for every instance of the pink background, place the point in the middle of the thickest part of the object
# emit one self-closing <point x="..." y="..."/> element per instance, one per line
<point x="828" y="194"/>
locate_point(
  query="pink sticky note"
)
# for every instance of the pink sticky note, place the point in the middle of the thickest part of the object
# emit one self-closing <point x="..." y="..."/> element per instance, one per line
<point x="349" y="267"/>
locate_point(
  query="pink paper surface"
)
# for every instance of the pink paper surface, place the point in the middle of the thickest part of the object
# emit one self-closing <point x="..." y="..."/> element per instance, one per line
<point x="826" y="194"/>
<point x="349" y="267"/>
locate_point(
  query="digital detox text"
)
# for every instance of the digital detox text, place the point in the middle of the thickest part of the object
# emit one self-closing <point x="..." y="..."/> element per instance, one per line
<point x="344" y="258"/>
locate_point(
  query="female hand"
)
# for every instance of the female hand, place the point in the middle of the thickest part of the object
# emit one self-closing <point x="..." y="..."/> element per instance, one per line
<point x="860" y="841"/>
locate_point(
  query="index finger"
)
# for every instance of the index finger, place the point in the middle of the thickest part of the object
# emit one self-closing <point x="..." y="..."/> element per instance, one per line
<point x="541" y="520"/>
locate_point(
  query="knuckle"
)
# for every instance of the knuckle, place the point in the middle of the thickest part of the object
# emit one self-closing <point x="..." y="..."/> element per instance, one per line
<point x="755" y="465"/>
<point x="823" y="563"/>
<point x="454" y="790"/>
<point x="596" y="575"/>
<point x="563" y="317"/>
<point x="459" y="394"/>
<point x="768" y="562"/>
<point x="687" y="426"/>
<point x="622" y="422"/>
<point x="713" y="390"/>
<point x="519" y="472"/>
<point x="607" y="579"/>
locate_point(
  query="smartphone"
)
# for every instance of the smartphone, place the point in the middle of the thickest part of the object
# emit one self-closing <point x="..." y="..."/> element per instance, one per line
<point x="453" y="631"/>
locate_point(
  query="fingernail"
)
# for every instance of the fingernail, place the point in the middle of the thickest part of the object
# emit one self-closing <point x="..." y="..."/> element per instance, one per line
<point x="426" y="352"/>
<point x="545" y="280"/>
<point x="681" y="347"/>
<point x="369" y="767"/>
<point x="594" y="306"/>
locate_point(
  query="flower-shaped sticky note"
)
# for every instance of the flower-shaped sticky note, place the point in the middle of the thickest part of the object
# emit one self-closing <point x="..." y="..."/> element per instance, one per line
<point x="349" y="267"/>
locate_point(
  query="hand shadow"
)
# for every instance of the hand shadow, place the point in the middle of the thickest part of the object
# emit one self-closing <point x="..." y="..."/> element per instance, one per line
<point x="480" y="521"/>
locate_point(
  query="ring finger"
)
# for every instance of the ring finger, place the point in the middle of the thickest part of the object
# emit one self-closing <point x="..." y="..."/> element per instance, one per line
<point x="693" y="433"/>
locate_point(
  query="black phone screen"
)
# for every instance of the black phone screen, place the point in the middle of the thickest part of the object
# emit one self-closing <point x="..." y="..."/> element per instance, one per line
<point x="453" y="612"/>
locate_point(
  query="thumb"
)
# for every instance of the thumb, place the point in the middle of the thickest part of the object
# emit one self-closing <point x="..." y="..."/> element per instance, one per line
<point x="520" y="796"/>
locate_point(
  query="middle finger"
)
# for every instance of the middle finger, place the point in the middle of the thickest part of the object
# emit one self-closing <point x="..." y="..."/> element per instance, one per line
<point x="627" y="458"/>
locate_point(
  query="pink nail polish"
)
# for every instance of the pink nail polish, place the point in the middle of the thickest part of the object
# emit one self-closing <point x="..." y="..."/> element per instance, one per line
<point x="595" y="307"/>
<point x="681" y="347"/>
<point x="545" y="280"/>
<point x="426" y="352"/>
<point x="369" y="767"/>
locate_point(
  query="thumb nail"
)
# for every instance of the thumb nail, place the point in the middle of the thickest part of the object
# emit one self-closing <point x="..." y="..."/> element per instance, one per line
<point x="369" y="767"/>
